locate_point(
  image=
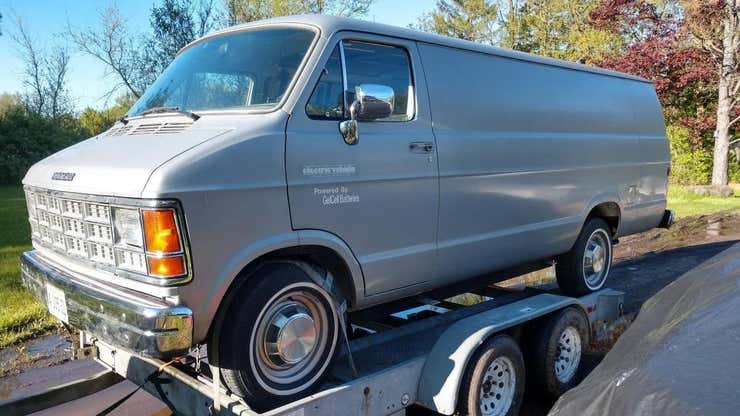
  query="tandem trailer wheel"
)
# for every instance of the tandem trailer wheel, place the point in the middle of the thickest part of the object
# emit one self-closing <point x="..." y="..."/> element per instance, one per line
<point x="557" y="356"/>
<point x="494" y="380"/>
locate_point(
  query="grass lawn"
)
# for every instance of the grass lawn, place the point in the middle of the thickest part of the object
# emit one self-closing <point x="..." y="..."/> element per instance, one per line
<point x="687" y="204"/>
<point x="20" y="316"/>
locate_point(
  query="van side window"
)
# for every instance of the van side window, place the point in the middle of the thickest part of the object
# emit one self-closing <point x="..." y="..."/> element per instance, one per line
<point x="326" y="102"/>
<point x="373" y="63"/>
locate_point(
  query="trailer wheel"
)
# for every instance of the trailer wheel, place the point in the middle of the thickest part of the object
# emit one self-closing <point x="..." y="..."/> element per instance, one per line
<point x="279" y="336"/>
<point x="559" y="348"/>
<point x="493" y="384"/>
<point x="586" y="266"/>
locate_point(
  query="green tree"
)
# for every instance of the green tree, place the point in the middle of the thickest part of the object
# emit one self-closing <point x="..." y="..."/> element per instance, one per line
<point x="174" y="24"/>
<point x="559" y="29"/>
<point x="95" y="121"/>
<point x="241" y="11"/>
<point x="26" y="137"/>
<point x="714" y="25"/>
<point x="689" y="165"/>
<point x="474" y="20"/>
<point x="9" y="101"/>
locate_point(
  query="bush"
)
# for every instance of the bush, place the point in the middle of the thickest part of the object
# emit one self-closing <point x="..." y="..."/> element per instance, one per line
<point x="735" y="165"/>
<point x="26" y="138"/>
<point x="689" y="166"/>
<point x="693" y="168"/>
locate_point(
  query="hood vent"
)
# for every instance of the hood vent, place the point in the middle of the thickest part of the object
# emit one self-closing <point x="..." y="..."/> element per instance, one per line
<point x="132" y="129"/>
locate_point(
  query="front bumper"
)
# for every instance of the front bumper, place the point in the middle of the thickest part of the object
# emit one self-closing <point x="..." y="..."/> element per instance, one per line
<point x="115" y="315"/>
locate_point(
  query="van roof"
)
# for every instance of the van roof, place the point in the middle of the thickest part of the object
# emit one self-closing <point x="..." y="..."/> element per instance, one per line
<point x="329" y="25"/>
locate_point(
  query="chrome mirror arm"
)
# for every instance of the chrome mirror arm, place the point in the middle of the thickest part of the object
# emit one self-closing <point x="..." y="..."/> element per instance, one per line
<point x="348" y="128"/>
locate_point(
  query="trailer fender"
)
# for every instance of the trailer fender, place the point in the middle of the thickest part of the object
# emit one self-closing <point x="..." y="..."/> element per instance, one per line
<point x="446" y="363"/>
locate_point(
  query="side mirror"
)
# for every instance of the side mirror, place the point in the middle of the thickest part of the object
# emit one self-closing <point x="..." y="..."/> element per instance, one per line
<point x="376" y="101"/>
<point x="372" y="102"/>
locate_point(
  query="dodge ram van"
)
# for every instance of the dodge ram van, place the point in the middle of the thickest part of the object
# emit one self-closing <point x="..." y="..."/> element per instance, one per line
<point x="281" y="173"/>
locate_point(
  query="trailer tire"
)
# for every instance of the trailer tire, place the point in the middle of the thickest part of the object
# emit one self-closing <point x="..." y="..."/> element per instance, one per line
<point x="494" y="376"/>
<point x="585" y="268"/>
<point x="281" y="334"/>
<point x="559" y="345"/>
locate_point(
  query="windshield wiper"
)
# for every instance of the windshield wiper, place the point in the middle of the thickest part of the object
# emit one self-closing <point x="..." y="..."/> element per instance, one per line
<point x="157" y="110"/>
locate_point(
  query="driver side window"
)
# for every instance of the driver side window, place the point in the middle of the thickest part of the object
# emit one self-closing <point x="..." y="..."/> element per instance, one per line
<point x="379" y="64"/>
<point x="366" y="63"/>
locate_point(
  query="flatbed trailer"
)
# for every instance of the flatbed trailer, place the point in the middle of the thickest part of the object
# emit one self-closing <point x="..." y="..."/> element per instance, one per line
<point x="411" y="353"/>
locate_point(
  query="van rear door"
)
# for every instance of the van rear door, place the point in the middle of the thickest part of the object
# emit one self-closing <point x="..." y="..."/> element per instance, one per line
<point x="379" y="195"/>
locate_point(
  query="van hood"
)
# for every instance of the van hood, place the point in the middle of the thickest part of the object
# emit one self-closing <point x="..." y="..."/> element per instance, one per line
<point x="113" y="164"/>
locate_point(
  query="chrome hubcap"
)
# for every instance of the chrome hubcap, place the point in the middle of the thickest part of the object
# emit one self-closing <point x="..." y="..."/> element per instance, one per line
<point x="294" y="336"/>
<point x="497" y="391"/>
<point x="596" y="259"/>
<point x="569" y="354"/>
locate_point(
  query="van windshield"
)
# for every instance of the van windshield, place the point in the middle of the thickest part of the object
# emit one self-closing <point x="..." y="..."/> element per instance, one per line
<point x="244" y="69"/>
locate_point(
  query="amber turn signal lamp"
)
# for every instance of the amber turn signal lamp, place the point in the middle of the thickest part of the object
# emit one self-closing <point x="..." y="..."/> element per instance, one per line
<point x="166" y="266"/>
<point x="160" y="229"/>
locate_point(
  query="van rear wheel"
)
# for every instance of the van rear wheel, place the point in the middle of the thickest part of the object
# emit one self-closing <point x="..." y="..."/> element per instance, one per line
<point x="585" y="268"/>
<point x="279" y="336"/>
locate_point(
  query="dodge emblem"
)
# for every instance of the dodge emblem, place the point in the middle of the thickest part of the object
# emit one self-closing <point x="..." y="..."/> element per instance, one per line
<point x="63" y="176"/>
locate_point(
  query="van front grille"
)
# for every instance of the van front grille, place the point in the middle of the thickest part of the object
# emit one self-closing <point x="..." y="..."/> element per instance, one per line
<point x="80" y="230"/>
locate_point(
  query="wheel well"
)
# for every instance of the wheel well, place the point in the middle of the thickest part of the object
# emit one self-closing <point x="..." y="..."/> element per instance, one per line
<point x="320" y="256"/>
<point x="609" y="212"/>
<point x="323" y="257"/>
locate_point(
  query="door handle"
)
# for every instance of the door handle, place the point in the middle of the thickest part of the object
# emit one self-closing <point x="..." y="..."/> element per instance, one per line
<point x="421" y="147"/>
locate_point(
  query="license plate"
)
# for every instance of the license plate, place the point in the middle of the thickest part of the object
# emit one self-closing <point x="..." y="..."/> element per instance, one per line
<point x="57" y="303"/>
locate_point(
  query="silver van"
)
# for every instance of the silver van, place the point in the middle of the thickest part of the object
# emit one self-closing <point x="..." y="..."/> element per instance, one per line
<point x="281" y="173"/>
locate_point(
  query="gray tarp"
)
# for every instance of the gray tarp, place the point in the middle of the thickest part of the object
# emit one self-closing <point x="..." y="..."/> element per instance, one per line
<point x="681" y="356"/>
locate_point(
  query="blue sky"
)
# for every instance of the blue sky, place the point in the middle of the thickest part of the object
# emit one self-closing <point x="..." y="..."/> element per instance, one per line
<point x="46" y="20"/>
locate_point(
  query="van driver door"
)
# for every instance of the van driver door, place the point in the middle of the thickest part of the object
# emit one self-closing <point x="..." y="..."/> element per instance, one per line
<point x="380" y="194"/>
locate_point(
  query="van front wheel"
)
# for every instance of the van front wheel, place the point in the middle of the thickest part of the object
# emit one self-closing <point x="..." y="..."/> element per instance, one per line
<point x="280" y="335"/>
<point x="585" y="268"/>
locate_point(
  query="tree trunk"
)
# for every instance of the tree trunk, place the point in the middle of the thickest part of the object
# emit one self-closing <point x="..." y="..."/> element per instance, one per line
<point x="727" y="73"/>
<point x="722" y="134"/>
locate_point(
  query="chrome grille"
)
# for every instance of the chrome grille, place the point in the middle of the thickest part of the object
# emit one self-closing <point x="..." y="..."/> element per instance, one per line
<point x="97" y="212"/>
<point x="57" y="240"/>
<point x="130" y="260"/>
<point x="69" y="208"/>
<point x="101" y="253"/>
<point x="74" y="228"/>
<point x="100" y="233"/>
<point x="56" y="222"/>
<point x="81" y="230"/>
